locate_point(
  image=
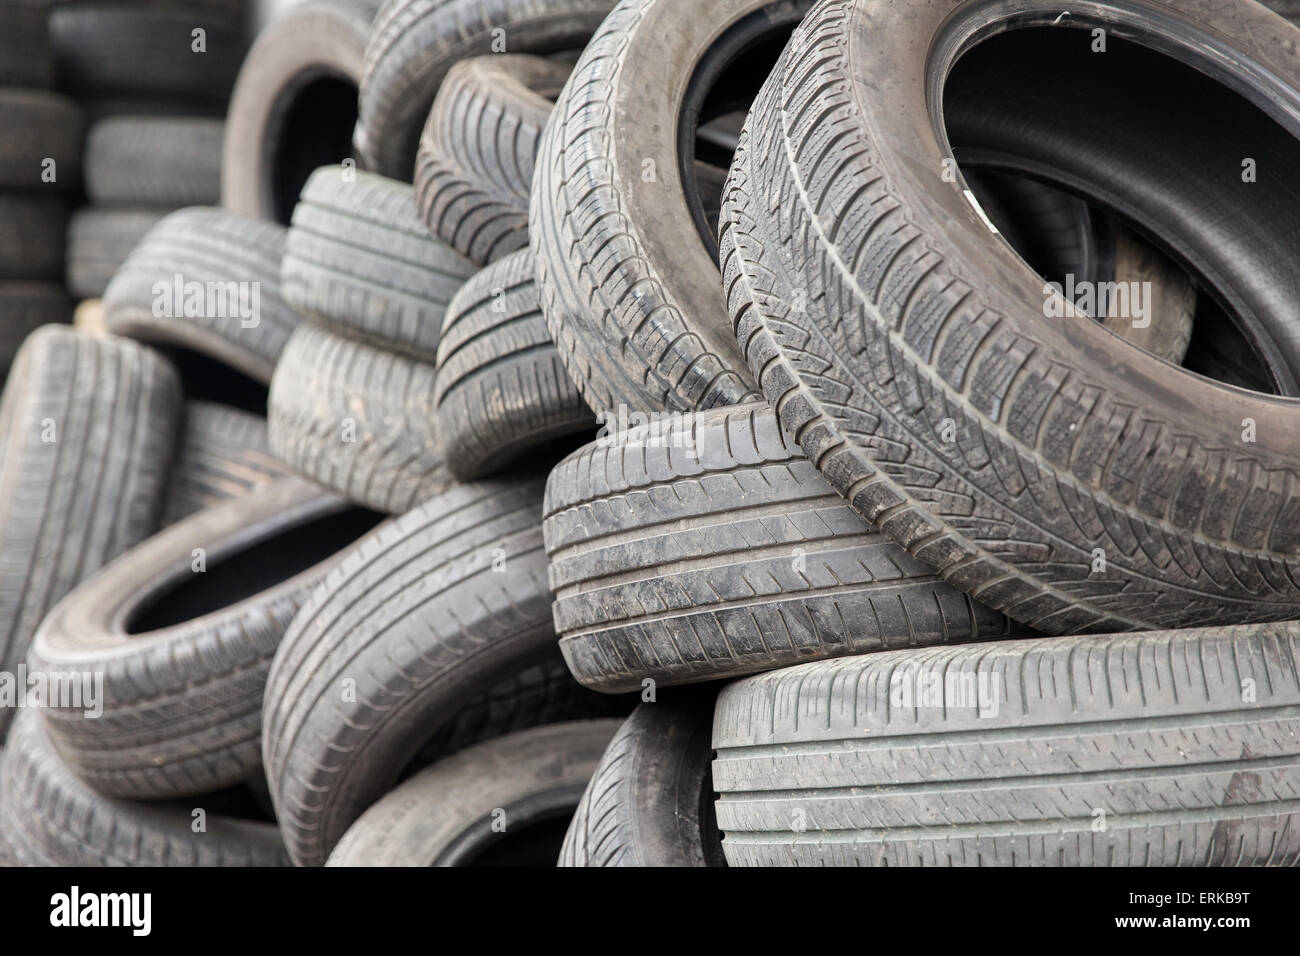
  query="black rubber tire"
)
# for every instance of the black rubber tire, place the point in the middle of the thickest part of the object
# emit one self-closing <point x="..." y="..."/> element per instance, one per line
<point x="168" y="161"/>
<point x="99" y="240"/>
<point x="357" y="419"/>
<point x="32" y="235"/>
<point x="184" y="656"/>
<point x="478" y="150"/>
<point x="126" y="49"/>
<point x="1171" y="748"/>
<point x="413" y="43"/>
<point x="290" y="112"/>
<point x="501" y="392"/>
<point x="650" y="802"/>
<point x="628" y="282"/>
<point x="360" y="260"/>
<point x="39" y="126"/>
<point x="206" y="246"/>
<point x="53" y="819"/>
<point x="223" y="453"/>
<point x="421" y="623"/>
<point x="1065" y="439"/>
<point x="71" y="505"/>
<point x="713" y="548"/>
<point x="25" y="54"/>
<point x="25" y="306"/>
<point x="463" y="811"/>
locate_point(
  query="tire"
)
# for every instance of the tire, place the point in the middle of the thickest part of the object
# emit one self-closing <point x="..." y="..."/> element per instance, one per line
<point x="154" y="161"/>
<point x="413" y="43"/>
<point x="99" y="240"/>
<point x="419" y="620"/>
<point x="1172" y="305"/>
<point x="70" y="505"/>
<point x="207" y="246"/>
<point x="184" y="657"/>
<point x="104" y="50"/>
<point x="712" y="548"/>
<point x="294" y="106"/>
<point x="32" y="235"/>
<point x="1051" y="467"/>
<point x="357" y="419"/>
<point x="501" y="392"/>
<point x="25" y="306"/>
<point x="650" y="802"/>
<point x="54" y="819"/>
<point x="888" y="760"/>
<point x="223" y="454"/>
<point x="39" y="126"/>
<point x="25" y="56"/>
<point x="359" y="260"/>
<point x="478" y="150"/>
<point x="627" y="268"/>
<point x="452" y="814"/>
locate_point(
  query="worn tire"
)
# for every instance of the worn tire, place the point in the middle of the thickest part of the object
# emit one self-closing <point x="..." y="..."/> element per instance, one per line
<point x="359" y="260"/>
<point x="71" y="505"/>
<point x="39" y="125"/>
<point x="712" y="548"/>
<point x="357" y="419"/>
<point x="418" y="618"/>
<point x="478" y="150"/>
<point x="413" y="43"/>
<point x="445" y="815"/>
<point x="206" y="246"/>
<point x="32" y="235"/>
<point x="99" y="240"/>
<point x="501" y="391"/>
<point x="24" y="307"/>
<point x="891" y="760"/>
<point x="294" y="107"/>
<point x="650" y="802"/>
<point x="164" y="161"/>
<point x="53" y="819"/>
<point x="26" y="58"/>
<point x="1068" y="444"/>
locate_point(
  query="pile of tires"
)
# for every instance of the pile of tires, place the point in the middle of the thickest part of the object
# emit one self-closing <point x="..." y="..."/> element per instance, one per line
<point x="666" y="433"/>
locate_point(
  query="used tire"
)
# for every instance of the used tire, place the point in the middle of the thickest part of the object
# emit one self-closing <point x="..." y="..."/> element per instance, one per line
<point x="31" y="235"/>
<point x="25" y="55"/>
<point x="357" y="419"/>
<point x="503" y="802"/>
<point x="1084" y="485"/>
<point x="89" y="425"/>
<point x="184" y="655"/>
<point x="650" y="801"/>
<point x="626" y="259"/>
<point x="359" y="259"/>
<point x="711" y="548"/>
<point x="413" y="43"/>
<point x="1171" y="748"/>
<point x="419" y="621"/>
<point x="501" y="391"/>
<point x="154" y="161"/>
<point x="99" y="240"/>
<point x="478" y="151"/>
<point x="294" y="107"/>
<point x="39" y="126"/>
<point x="25" y="306"/>
<point x="235" y="261"/>
<point x="54" y="819"/>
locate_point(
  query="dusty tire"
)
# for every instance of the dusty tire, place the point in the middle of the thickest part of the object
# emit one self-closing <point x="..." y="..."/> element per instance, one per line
<point x="294" y="107"/>
<point x="53" y="819"/>
<point x="419" y="619"/>
<point x="207" y="246"/>
<point x="32" y="235"/>
<point x="501" y="391"/>
<point x="413" y="43"/>
<point x="712" y="548"/>
<point x="39" y="126"/>
<point x="184" y="656"/>
<point x="1050" y="466"/>
<point x="24" y="307"/>
<point x="26" y="58"/>
<point x="359" y="260"/>
<point x="154" y="161"/>
<point x="444" y="816"/>
<point x="870" y="760"/>
<point x="99" y="241"/>
<point x="357" y="419"/>
<point x="478" y="150"/>
<point x="110" y="408"/>
<point x="650" y="802"/>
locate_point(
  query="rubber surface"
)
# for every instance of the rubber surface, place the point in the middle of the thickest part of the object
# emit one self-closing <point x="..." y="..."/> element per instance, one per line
<point x="24" y="306"/>
<point x="154" y="161"/>
<point x="39" y="126"/>
<point x="99" y="240"/>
